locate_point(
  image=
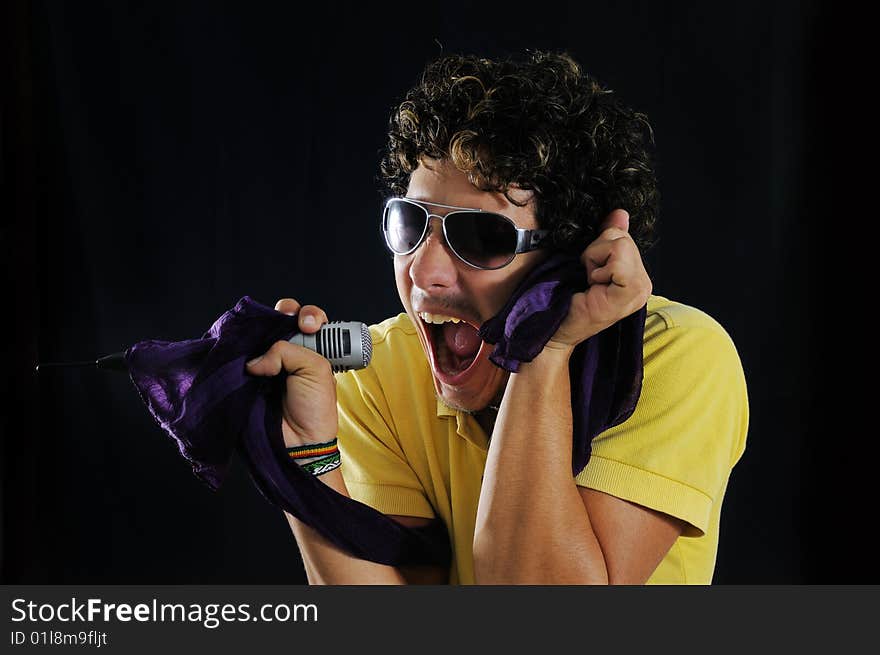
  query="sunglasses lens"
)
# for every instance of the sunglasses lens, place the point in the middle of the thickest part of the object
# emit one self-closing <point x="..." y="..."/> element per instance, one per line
<point x="404" y="225"/>
<point x="483" y="239"/>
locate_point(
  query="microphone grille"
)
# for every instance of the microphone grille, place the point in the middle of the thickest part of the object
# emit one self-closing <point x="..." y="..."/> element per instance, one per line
<point x="367" y="342"/>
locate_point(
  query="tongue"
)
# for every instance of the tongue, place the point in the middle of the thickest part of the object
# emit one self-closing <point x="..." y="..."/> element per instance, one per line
<point x="462" y="339"/>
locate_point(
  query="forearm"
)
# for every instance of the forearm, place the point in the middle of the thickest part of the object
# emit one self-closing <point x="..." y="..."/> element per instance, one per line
<point x="532" y="526"/>
<point x="325" y="563"/>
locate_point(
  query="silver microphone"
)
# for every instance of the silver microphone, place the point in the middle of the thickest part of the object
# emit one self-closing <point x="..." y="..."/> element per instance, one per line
<point x="347" y="344"/>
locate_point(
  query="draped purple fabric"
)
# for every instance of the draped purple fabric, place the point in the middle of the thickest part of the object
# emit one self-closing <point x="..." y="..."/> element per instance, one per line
<point x="605" y="370"/>
<point x="199" y="392"/>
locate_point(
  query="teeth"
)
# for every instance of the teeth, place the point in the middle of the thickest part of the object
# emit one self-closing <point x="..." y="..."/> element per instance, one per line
<point x="437" y="318"/>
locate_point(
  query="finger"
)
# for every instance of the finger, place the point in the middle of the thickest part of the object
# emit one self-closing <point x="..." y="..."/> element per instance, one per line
<point x="602" y="251"/>
<point x="619" y="219"/>
<point x="611" y="274"/>
<point x="595" y="256"/>
<point x="619" y="274"/>
<point x="287" y="357"/>
<point x="605" y="258"/>
<point x="612" y="234"/>
<point x="287" y="306"/>
<point x="311" y="318"/>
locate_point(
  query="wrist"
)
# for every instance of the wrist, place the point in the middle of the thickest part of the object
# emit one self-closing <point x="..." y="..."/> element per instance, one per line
<point x="295" y="438"/>
<point x="548" y="368"/>
<point x="555" y="352"/>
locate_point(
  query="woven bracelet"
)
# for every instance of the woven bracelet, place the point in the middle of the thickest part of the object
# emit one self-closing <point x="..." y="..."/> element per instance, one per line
<point x="313" y="450"/>
<point x="323" y="465"/>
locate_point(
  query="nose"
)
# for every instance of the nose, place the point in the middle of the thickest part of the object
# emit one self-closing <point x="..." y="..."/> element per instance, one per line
<point x="433" y="264"/>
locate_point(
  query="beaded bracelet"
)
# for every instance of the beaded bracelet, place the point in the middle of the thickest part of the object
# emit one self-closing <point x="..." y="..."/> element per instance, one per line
<point x="313" y="450"/>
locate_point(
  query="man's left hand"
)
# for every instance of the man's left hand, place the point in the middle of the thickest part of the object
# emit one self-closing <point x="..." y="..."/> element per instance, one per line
<point x="619" y="285"/>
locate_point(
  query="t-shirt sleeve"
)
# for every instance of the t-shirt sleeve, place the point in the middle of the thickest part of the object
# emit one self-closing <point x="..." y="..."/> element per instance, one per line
<point x="374" y="466"/>
<point x="675" y="453"/>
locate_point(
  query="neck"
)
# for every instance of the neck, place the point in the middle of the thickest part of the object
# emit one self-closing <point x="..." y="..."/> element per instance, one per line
<point x="486" y="417"/>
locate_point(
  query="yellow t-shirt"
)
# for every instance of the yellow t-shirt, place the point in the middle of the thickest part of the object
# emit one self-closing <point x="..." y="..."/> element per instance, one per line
<point x="405" y="452"/>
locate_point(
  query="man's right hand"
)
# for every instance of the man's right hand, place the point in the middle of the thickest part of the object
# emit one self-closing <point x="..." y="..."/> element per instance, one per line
<point x="309" y="416"/>
<point x="309" y="408"/>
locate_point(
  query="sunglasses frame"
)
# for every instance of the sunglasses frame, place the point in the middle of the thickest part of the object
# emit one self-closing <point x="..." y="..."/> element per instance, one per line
<point x="526" y="240"/>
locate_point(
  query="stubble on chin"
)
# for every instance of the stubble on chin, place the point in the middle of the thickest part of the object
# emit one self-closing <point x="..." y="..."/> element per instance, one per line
<point x="452" y="405"/>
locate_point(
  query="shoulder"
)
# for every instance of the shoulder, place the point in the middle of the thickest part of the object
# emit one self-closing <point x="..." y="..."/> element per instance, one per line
<point x="694" y="395"/>
<point x="396" y="347"/>
<point x="666" y="314"/>
<point x="378" y="407"/>
<point x="680" y="334"/>
<point x="397" y="359"/>
<point x="675" y="452"/>
<point x="694" y="382"/>
<point x="394" y="331"/>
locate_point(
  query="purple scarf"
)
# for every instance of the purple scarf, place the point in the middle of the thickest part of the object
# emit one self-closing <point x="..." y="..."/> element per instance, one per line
<point x="199" y="393"/>
<point x="605" y="370"/>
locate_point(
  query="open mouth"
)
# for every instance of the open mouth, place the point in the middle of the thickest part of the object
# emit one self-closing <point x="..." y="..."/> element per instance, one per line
<point x="455" y="345"/>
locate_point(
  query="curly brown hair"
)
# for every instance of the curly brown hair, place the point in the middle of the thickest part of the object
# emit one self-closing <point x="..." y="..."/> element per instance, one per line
<point x="540" y="124"/>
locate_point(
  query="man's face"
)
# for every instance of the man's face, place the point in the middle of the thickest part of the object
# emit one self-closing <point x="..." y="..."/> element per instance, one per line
<point x="433" y="280"/>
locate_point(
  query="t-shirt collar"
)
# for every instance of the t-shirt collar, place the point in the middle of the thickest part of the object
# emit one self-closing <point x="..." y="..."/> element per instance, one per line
<point x="466" y="425"/>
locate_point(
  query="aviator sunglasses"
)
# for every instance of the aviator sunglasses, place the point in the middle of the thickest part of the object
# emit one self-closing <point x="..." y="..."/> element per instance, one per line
<point x="481" y="239"/>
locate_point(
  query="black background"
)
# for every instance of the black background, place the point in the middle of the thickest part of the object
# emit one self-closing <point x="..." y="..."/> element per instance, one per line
<point x="162" y="160"/>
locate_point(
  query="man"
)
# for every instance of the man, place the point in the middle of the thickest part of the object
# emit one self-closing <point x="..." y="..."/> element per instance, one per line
<point x="433" y="429"/>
